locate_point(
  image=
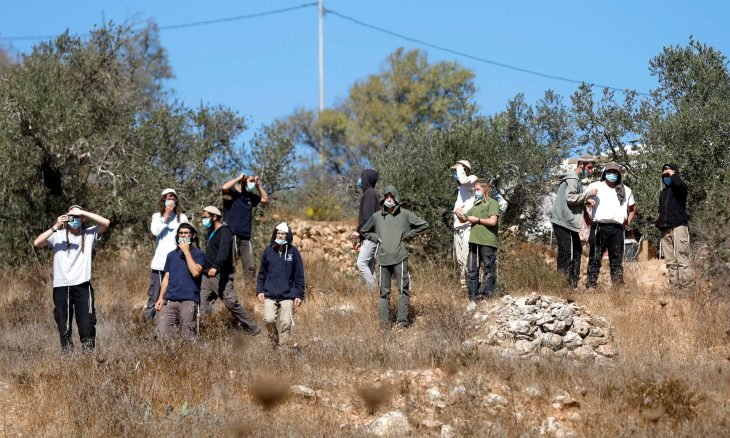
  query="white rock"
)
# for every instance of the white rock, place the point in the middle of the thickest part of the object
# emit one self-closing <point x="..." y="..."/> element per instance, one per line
<point x="533" y="391"/>
<point x="433" y="393"/>
<point x="607" y="350"/>
<point x="391" y="424"/>
<point x="495" y="399"/>
<point x="447" y="431"/>
<point x="555" y="428"/>
<point x="304" y="391"/>
<point x="572" y="340"/>
<point x="472" y="306"/>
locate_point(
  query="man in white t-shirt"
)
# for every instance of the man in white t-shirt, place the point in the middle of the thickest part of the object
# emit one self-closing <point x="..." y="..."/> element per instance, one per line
<point x="72" y="244"/>
<point x="464" y="201"/>
<point x="163" y="226"/>
<point x="612" y="211"/>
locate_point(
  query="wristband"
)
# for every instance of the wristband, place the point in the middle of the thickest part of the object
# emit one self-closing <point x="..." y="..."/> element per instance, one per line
<point x="54" y="228"/>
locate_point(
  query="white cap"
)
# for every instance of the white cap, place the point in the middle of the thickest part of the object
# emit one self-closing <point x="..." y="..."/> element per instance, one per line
<point x="167" y="191"/>
<point x="463" y="163"/>
<point x="213" y="210"/>
<point x="283" y="227"/>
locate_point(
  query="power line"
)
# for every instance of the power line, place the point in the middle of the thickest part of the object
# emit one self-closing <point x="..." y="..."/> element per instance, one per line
<point x="183" y="25"/>
<point x="473" y="57"/>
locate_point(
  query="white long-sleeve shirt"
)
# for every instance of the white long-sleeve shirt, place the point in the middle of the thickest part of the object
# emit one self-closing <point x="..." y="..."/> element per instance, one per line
<point x="165" y="232"/>
<point x="464" y="199"/>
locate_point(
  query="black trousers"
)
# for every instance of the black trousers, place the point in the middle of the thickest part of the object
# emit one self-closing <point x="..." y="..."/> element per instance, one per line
<point x="75" y="300"/>
<point x="606" y="237"/>
<point x="569" y="253"/>
<point x="486" y="257"/>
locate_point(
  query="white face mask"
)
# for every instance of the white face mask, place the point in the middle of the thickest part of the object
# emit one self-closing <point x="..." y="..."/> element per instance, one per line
<point x="183" y="241"/>
<point x="169" y="203"/>
<point x="389" y="203"/>
<point x="280" y="241"/>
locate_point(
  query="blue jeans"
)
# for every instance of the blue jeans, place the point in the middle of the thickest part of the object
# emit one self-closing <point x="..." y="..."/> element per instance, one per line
<point x="481" y="255"/>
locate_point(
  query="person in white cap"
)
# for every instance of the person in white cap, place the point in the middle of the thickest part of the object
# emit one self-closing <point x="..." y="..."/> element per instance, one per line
<point x="72" y="290"/>
<point x="218" y="271"/>
<point x="280" y="284"/>
<point x="464" y="201"/>
<point x="164" y="225"/>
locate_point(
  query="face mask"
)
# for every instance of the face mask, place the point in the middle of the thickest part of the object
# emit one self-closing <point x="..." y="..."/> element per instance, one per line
<point x="169" y="203"/>
<point x="359" y="183"/>
<point x="667" y="180"/>
<point x="479" y="195"/>
<point x="207" y="222"/>
<point x="75" y="223"/>
<point x="461" y="177"/>
<point x="280" y="241"/>
<point x="250" y="186"/>
<point x="183" y="241"/>
<point x="455" y="176"/>
<point x="611" y="177"/>
<point x="389" y="203"/>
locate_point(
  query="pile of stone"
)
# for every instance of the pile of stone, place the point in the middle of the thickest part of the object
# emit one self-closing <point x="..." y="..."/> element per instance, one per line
<point x="542" y="326"/>
<point x="326" y="241"/>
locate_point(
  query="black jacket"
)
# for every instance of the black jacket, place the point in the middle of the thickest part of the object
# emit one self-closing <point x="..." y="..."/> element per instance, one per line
<point x="673" y="202"/>
<point x="281" y="274"/>
<point x="370" y="200"/>
<point x="219" y="250"/>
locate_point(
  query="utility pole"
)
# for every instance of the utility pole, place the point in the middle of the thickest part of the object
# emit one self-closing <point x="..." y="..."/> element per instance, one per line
<point x="321" y="56"/>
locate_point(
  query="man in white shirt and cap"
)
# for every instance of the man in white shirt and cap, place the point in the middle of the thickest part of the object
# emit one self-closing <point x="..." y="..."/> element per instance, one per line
<point x="612" y="212"/>
<point x="464" y="201"/>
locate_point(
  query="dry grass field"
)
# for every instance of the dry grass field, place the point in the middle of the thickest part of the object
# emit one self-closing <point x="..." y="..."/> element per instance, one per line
<point x="672" y="375"/>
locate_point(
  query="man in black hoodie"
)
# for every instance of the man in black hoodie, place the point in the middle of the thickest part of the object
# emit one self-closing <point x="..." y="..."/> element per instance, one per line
<point x="672" y="222"/>
<point x="369" y="204"/>
<point x="218" y="271"/>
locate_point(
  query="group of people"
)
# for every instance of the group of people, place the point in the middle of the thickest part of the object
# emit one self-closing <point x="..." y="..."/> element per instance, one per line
<point x="608" y="208"/>
<point x="185" y="281"/>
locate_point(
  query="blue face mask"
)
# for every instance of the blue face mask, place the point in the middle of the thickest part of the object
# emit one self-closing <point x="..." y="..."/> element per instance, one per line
<point x="479" y="195"/>
<point x="611" y="177"/>
<point x="75" y="223"/>
<point x="667" y="180"/>
<point x="359" y="183"/>
<point x="206" y="222"/>
<point x="280" y="241"/>
<point x="250" y="186"/>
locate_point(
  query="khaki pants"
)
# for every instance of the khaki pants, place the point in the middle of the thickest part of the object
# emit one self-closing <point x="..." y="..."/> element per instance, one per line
<point x="675" y="246"/>
<point x="282" y="312"/>
<point x="461" y="252"/>
<point x="174" y="314"/>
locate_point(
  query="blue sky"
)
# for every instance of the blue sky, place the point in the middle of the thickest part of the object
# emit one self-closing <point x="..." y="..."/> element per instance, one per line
<point x="266" y="67"/>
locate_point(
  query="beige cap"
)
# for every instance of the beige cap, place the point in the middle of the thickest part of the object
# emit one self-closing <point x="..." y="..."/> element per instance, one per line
<point x="463" y="163"/>
<point x="167" y="191"/>
<point x="213" y="210"/>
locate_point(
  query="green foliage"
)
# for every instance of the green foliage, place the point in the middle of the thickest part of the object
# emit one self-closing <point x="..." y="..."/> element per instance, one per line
<point x="515" y="150"/>
<point x="381" y="110"/>
<point x="88" y="122"/>
<point x="686" y="121"/>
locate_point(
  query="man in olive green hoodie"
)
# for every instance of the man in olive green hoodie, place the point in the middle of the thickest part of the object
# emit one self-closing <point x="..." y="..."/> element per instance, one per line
<point x="389" y="227"/>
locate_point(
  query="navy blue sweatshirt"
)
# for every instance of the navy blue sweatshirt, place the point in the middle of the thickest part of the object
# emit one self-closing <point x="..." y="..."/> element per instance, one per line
<point x="281" y="275"/>
<point x="219" y="250"/>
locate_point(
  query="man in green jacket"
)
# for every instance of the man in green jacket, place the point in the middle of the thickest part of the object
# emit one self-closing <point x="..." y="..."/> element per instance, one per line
<point x="566" y="217"/>
<point x="389" y="227"/>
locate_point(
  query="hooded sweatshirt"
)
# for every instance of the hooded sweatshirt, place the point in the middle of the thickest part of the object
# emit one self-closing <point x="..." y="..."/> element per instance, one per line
<point x="673" y="201"/>
<point x="369" y="201"/>
<point x="219" y="250"/>
<point x="391" y="229"/>
<point x="568" y="205"/>
<point x="281" y="274"/>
